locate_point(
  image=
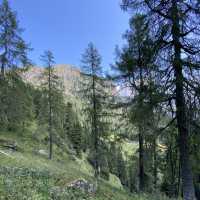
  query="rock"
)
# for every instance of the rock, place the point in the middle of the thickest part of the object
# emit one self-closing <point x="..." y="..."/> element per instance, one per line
<point x="92" y="189"/>
<point x="83" y="185"/>
<point x="42" y="152"/>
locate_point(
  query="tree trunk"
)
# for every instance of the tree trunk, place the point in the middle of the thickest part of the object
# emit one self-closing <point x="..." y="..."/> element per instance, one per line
<point x="3" y="63"/>
<point x="186" y="170"/>
<point x="50" y="117"/>
<point x="2" y="70"/>
<point x="141" y="159"/>
<point x="155" y="163"/>
<point x="141" y="128"/>
<point x="95" y="129"/>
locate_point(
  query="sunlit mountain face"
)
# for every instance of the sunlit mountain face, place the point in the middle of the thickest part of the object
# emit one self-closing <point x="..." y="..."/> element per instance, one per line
<point x="70" y="77"/>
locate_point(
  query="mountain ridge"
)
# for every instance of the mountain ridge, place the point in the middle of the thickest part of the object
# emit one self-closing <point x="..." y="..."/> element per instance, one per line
<point x="68" y="74"/>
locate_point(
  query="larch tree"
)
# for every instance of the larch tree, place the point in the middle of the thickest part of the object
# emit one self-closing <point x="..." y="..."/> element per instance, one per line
<point x="178" y="21"/>
<point x="135" y="64"/>
<point x="72" y="128"/>
<point x="93" y="92"/>
<point x="53" y="102"/>
<point x="13" y="56"/>
<point x="12" y="46"/>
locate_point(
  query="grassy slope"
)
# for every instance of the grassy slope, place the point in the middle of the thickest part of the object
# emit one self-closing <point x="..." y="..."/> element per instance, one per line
<point x="63" y="169"/>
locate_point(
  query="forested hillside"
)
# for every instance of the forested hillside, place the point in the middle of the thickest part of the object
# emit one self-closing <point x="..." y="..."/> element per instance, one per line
<point x="131" y="133"/>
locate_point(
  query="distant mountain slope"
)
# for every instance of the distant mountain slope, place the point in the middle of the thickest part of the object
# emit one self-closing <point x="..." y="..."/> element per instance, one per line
<point x="68" y="74"/>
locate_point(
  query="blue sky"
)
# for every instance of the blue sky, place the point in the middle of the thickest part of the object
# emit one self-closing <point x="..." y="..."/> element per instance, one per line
<point x="67" y="26"/>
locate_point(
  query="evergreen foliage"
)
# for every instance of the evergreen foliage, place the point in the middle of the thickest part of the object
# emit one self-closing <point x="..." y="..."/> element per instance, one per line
<point x="72" y="128"/>
<point x="93" y="93"/>
<point x="13" y="47"/>
<point x="146" y="137"/>
<point x="52" y="99"/>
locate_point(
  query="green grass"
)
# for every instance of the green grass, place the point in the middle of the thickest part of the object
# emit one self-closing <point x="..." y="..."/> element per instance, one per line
<point x="27" y="175"/>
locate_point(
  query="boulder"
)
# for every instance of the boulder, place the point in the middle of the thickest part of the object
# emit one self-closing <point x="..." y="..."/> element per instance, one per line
<point x="83" y="185"/>
<point x="42" y="152"/>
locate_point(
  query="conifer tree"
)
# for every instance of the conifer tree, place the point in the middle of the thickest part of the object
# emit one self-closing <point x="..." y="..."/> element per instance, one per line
<point x="135" y="64"/>
<point x="178" y="25"/>
<point x="49" y="61"/>
<point x="72" y="128"/>
<point x="52" y="109"/>
<point x="112" y="158"/>
<point x="121" y="168"/>
<point x="93" y="92"/>
<point x="12" y="46"/>
<point x="15" y="99"/>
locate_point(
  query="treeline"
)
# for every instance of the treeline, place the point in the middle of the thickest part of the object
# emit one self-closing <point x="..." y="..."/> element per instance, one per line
<point x="159" y="114"/>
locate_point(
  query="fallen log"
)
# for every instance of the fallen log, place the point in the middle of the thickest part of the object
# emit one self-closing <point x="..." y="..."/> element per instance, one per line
<point x="9" y="144"/>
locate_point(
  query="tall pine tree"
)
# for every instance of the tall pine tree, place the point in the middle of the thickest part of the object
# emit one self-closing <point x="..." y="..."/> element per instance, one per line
<point x="52" y="109"/>
<point x="93" y="92"/>
<point x="135" y="64"/>
<point x="15" y="99"/>
<point x="178" y="23"/>
<point x="12" y="46"/>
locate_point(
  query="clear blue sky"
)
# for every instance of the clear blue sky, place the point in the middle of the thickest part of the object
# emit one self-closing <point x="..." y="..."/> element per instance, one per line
<point x="67" y="26"/>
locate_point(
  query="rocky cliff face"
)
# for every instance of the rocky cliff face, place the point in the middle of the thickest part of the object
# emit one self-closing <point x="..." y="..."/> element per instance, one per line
<point x="68" y="74"/>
